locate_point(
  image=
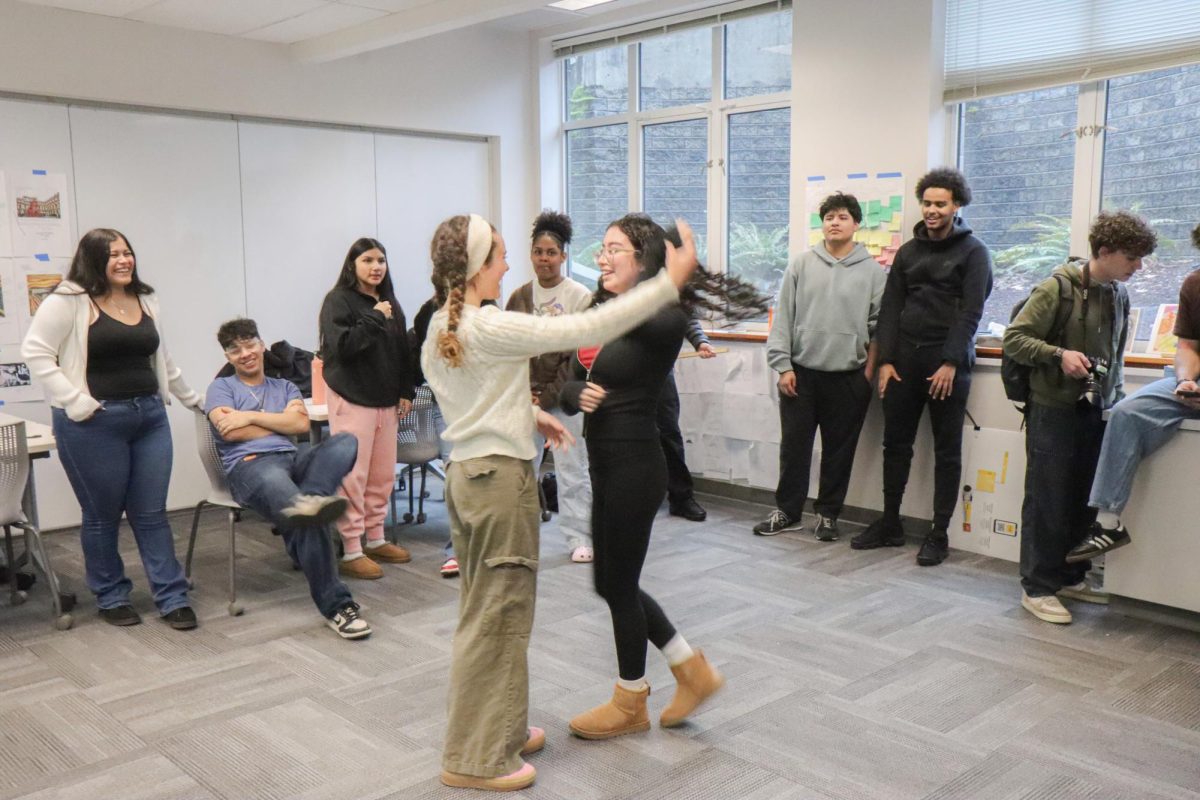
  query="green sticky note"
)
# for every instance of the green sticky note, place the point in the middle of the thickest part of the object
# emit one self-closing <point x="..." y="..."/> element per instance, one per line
<point x="814" y="220"/>
<point x="897" y="202"/>
<point x="873" y="207"/>
<point x="872" y="219"/>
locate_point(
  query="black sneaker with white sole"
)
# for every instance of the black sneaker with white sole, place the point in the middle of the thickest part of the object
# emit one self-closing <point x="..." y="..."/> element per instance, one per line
<point x="1099" y="540"/>
<point x="348" y="624"/>
<point x="314" y="509"/>
<point x="827" y="529"/>
<point x="777" y="522"/>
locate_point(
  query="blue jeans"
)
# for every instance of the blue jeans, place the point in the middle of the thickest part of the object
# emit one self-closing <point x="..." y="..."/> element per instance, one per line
<point x="267" y="483"/>
<point x="119" y="461"/>
<point x="1062" y="446"/>
<point x="1139" y="425"/>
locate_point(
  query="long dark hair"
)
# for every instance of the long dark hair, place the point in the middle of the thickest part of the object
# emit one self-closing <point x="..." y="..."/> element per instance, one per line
<point x="731" y="297"/>
<point x="89" y="267"/>
<point x="348" y="277"/>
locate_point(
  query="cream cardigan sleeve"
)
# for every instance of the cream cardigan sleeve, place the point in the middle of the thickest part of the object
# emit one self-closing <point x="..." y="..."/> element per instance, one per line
<point x="49" y="333"/>
<point x="173" y="374"/>
<point x="512" y="335"/>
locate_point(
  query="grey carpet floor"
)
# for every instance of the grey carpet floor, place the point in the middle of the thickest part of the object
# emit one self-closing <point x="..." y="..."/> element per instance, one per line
<point x="850" y="675"/>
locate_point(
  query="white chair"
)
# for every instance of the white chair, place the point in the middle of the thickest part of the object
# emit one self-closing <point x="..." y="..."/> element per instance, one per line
<point x="14" y="475"/>
<point x="218" y="495"/>
<point x="419" y="444"/>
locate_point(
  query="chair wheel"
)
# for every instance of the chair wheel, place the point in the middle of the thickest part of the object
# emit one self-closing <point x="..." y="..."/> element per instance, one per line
<point x="545" y="516"/>
<point x="64" y="622"/>
<point x="19" y="598"/>
<point x="408" y="517"/>
<point x="67" y="601"/>
<point x="191" y="584"/>
<point x="236" y="610"/>
<point x="420" y="517"/>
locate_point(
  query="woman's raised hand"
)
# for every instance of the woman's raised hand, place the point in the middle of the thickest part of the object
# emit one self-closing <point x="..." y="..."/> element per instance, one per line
<point x="682" y="261"/>
<point x="385" y="308"/>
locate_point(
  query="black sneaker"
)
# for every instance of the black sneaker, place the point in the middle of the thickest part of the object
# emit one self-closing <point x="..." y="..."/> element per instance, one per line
<point x="880" y="533"/>
<point x="934" y="549"/>
<point x="1099" y="541"/>
<point x="689" y="509"/>
<point x="348" y="624"/>
<point x="777" y="522"/>
<point x="121" y="615"/>
<point x="181" y="619"/>
<point x="827" y="529"/>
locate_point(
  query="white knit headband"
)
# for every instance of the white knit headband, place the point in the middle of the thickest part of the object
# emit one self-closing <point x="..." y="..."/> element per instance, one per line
<point x="479" y="244"/>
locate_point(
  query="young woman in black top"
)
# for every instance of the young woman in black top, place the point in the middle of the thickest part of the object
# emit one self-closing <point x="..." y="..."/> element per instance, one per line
<point x="618" y="387"/>
<point x="369" y="371"/>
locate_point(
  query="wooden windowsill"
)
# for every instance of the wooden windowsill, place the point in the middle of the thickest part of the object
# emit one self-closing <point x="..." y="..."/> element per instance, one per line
<point x="981" y="352"/>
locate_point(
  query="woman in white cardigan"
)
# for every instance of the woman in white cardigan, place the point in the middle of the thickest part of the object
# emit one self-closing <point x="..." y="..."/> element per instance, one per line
<point x="476" y="359"/>
<point x="96" y="348"/>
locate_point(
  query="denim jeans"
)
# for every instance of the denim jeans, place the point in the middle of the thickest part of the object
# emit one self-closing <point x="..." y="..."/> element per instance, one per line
<point x="119" y="462"/>
<point x="1138" y="425"/>
<point x="574" y="484"/>
<point x="267" y="483"/>
<point x="1062" y="446"/>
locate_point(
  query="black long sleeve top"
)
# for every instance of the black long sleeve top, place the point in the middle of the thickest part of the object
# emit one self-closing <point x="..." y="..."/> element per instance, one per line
<point x="935" y="294"/>
<point x="632" y="370"/>
<point x="367" y="357"/>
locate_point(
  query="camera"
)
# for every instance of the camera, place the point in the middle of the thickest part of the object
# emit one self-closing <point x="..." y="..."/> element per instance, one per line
<point x="1093" y="384"/>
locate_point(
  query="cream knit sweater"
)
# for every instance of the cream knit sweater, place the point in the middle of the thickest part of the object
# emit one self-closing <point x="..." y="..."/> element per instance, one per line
<point x="56" y="351"/>
<point x="486" y="401"/>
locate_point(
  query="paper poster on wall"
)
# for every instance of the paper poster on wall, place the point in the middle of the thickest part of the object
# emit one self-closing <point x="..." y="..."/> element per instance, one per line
<point x="36" y="278"/>
<point x="5" y="222"/>
<point x="38" y="213"/>
<point x="10" y="324"/>
<point x="1163" y="341"/>
<point x="987" y="519"/>
<point x="881" y="196"/>
<point x="16" y="385"/>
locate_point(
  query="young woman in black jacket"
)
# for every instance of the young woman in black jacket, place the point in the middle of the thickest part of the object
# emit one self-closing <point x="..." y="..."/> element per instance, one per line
<point x="369" y="371"/>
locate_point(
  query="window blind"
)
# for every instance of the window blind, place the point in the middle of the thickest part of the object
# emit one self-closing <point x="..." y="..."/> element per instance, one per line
<point x="1002" y="46"/>
<point x="638" y="31"/>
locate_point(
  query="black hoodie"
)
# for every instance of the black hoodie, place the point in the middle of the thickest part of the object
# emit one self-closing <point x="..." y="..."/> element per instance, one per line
<point x="366" y="356"/>
<point x="935" y="294"/>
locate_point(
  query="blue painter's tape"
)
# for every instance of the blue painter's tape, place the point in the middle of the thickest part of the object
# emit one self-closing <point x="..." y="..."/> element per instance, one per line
<point x="39" y="172"/>
<point x="42" y="257"/>
<point x="816" y="177"/>
<point x="857" y="175"/>
<point x="887" y="174"/>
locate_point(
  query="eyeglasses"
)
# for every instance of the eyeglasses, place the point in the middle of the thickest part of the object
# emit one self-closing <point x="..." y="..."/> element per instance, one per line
<point x="237" y="348"/>
<point x="611" y="253"/>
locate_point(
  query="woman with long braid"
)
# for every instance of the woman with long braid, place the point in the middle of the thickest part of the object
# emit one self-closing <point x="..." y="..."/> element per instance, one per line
<point x="618" y="387"/>
<point x="477" y="362"/>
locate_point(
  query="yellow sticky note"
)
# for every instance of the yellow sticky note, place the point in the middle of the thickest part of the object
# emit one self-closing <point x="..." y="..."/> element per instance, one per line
<point x="862" y="236"/>
<point x="881" y="238"/>
<point x="985" y="481"/>
<point x="814" y="237"/>
<point x="874" y="249"/>
<point x="894" y="225"/>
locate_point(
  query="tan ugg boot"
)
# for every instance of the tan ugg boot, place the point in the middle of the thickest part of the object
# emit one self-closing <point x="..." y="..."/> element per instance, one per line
<point x="696" y="680"/>
<point x="625" y="713"/>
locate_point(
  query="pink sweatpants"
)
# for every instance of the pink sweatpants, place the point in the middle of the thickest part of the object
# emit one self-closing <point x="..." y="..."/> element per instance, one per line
<point x="368" y="486"/>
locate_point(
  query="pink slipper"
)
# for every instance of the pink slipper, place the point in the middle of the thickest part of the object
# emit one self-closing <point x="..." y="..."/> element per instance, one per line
<point x="583" y="555"/>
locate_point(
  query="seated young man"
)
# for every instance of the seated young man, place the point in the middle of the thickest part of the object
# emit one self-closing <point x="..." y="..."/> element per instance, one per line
<point x="293" y="486"/>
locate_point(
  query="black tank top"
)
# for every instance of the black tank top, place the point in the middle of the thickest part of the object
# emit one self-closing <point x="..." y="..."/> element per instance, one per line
<point x="120" y="362"/>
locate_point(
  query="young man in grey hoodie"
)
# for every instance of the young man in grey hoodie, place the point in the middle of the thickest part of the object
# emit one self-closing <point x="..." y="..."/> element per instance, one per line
<point x="821" y="346"/>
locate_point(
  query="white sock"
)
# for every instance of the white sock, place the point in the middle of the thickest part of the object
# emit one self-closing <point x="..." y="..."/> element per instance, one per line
<point x="633" y="686"/>
<point x="351" y="556"/>
<point x="373" y="545"/>
<point x="1108" y="519"/>
<point x="677" y="650"/>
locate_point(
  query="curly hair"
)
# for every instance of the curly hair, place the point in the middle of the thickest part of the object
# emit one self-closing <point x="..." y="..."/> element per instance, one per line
<point x="949" y="179"/>
<point x="1122" y="231"/>
<point x="448" y="251"/>
<point x="235" y="330"/>
<point x="722" y="293"/>
<point x="1196" y="237"/>
<point x="553" y="224"/>
<point x="842" y="200"/>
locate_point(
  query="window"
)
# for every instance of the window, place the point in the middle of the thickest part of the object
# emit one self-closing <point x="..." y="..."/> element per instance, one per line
<point x="1043" y="163"/>
<point x="597" y="191"/>
<point x="707" y="139"/>
<point x="1021" y="170"/>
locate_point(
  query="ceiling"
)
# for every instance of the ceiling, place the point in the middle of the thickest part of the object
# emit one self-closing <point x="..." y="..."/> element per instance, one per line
<point x="321" y="30"/>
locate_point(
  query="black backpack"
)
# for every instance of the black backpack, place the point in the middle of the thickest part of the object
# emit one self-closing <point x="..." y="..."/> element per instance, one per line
<point x="1014" y="376"/>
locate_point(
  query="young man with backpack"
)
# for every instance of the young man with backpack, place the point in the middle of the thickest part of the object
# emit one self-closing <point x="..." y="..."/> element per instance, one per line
<point x="1074" y="377"/>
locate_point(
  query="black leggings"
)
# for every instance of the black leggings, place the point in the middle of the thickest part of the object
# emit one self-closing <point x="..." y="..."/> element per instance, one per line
<point x="629" y="482"/>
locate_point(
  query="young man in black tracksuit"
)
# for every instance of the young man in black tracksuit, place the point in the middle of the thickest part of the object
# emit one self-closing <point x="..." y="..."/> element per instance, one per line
<point x="931" y="309"/>
<point x="681" y="499"/>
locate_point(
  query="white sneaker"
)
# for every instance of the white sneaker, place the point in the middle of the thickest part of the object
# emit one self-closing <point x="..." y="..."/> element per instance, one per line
<point x="1085" y="593"/>
<point x="314" y="509"/>
<point x="348" y="624"/>
<point x="1047" y="609"/>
